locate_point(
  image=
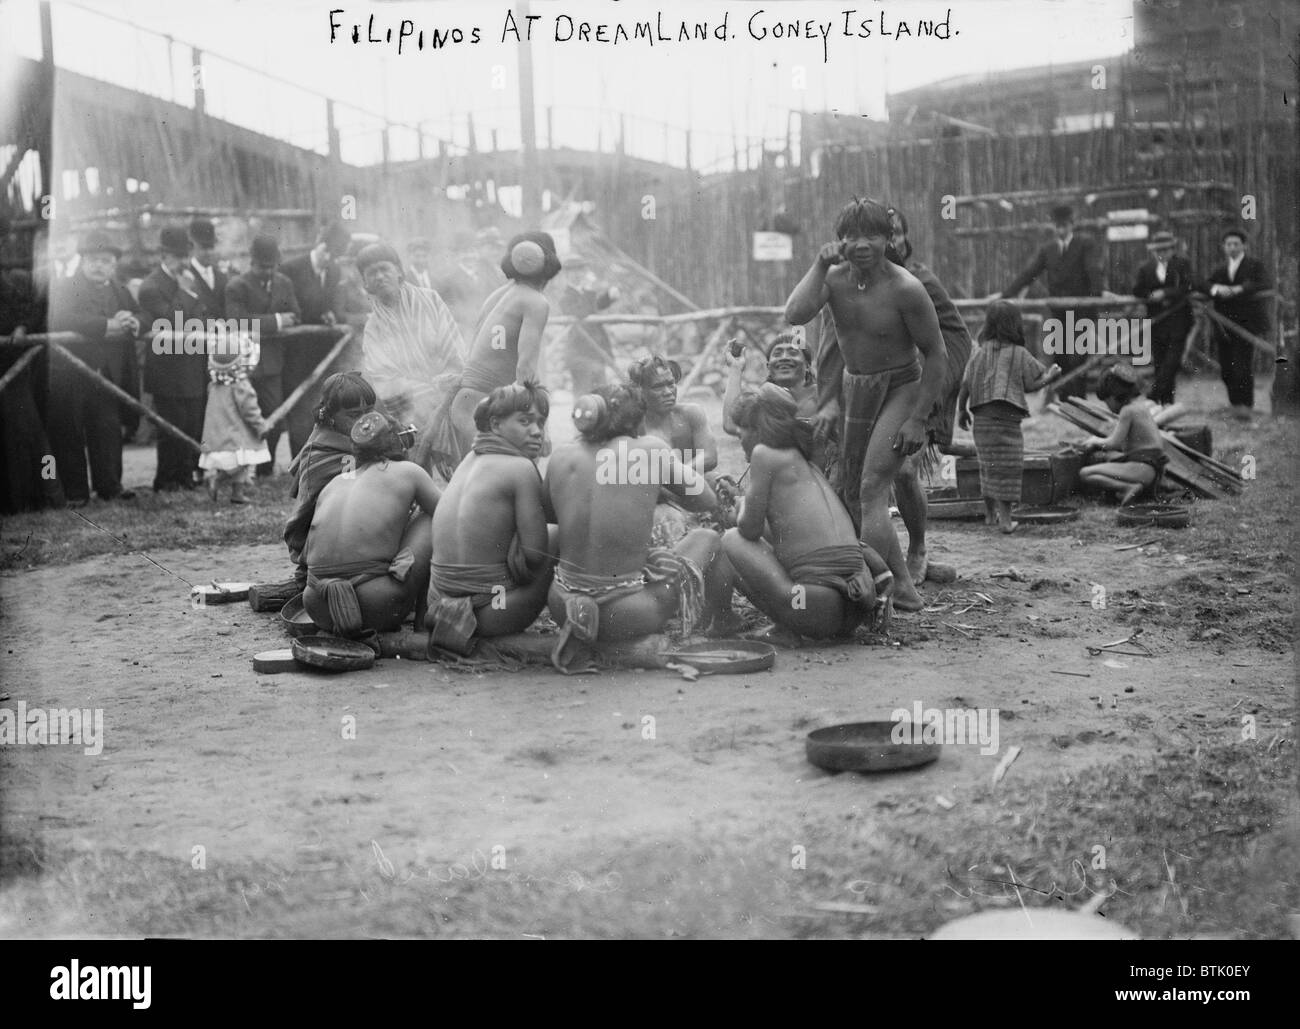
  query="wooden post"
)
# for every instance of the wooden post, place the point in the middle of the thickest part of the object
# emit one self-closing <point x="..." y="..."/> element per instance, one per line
<point x="44" y="141"/>
<point x="336" y="157"/>
<point x="529" y="180"/>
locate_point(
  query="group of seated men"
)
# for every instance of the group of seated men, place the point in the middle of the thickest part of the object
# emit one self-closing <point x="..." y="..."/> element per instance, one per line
<point x="377" y="539"/>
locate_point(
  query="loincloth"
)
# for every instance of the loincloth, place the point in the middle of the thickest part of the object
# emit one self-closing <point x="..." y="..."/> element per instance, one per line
<point x="842" y="568"/>
<point x="456" y="592"/>
<point x="338" y="585"/>
<point x="863" y="397"/>
<point x="1153" y="457"/>
<point x="585" y="594"/>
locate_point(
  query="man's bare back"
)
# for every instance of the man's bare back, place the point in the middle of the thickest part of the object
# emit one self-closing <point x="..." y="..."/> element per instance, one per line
<point x="605" y="526"/>
<point x="801" y="511"/>
<point x="507" y="340"/>
<point x="491" y="498"/>
<point x="363" y="517"/>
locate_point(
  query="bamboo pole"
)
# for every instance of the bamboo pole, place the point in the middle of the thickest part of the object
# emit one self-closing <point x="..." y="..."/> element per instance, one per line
<point x="122" y="395"/>
<point x="18" y="366"/>
<point x="281" y="412"/>
<point x="1247" y="335"/>
<point x="715" y="341"/>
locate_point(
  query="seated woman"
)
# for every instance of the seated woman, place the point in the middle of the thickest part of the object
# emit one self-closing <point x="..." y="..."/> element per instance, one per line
<point x="794" y="550"/>
<point x="367" y="553"/>
<point x="491" y="552"/>
<point x="344" y="398"/>
<point x="1139" y="456"/>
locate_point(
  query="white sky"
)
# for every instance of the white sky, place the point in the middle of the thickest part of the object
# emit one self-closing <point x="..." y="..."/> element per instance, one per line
<point x="743" y="87"/>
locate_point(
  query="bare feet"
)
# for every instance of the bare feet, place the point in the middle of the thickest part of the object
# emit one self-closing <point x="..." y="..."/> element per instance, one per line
<point x="777" y="635"/>
<point x="907" y="599"/>
<point x="917" y="564"/>
<point x="1009" y="527"/>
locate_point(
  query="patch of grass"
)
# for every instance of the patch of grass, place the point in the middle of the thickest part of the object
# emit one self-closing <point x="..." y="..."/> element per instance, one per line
<point x="1194" y="844"/>
<point x="152" y="521"/>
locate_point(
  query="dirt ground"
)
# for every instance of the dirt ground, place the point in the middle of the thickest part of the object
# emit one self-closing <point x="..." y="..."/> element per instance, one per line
<point x="227" y="803"/>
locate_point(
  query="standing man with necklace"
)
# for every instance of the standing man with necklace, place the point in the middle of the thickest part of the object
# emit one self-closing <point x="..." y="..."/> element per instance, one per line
<point x="888" y="336"/>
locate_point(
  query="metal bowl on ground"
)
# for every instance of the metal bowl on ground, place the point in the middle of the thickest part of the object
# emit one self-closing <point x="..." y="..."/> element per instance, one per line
<point x="1164" y="516"/>
<point x="332" y="654"/>
<point x="295" y="619"/>
<point x="1050" y="514"/>
<point x="726" y="657"/>
<point x="866" y="747"/>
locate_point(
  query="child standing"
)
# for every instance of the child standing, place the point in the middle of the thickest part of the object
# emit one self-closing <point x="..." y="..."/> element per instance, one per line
<point x="1141" y="455"/>
<point x="233" y="426"/>
<point x="997" y="377"/>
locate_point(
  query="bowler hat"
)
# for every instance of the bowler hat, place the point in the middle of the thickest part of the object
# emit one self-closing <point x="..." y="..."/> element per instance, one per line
<point x="1160" y="239"/>
<point x="98" y="242"/>
<point x="204" y="233"/>
<point x="175" y="241"/>
<point x="265" y="250"/>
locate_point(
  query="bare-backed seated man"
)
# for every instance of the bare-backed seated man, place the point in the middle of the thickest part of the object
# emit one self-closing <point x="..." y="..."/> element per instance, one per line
<point x="686" y="429"/>
<point x="491" y="562"/>
<point x="894" y="368"/>
<point x="794" y="550"/>
<point x="610" y="583"/>
<point x="367" y="552"/>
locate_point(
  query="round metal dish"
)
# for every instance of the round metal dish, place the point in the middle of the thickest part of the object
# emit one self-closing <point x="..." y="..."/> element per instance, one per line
<point x="867" y="747"/>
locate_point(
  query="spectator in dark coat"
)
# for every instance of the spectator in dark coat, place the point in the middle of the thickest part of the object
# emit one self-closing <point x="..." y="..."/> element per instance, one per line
<point x="1070" y="266"/>
<point x="1165" y="282"/>
<point x="210" y="279"/>
<point x="175" y="369"/>
<point x="1235" y="286"/>
<point x="26" y="481"/>
<point x="82" y="417"/>
<point x="265" y="297"/>
<point x="315" y="277"/>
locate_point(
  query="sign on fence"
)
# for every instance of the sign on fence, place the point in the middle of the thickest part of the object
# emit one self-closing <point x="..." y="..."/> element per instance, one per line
<point x="773" y="246"/>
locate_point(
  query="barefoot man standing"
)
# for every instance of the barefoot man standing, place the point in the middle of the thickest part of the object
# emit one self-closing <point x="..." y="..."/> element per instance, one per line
<point x="893" y="370"/>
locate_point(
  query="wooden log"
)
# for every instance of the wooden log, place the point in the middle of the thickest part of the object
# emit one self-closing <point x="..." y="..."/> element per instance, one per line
<point x="123" y="395"/>
<point x="532" y="649"/>
<point x="310" y="382"/>
<point x="271" y="596"/>
<point x="16" y="369"/>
